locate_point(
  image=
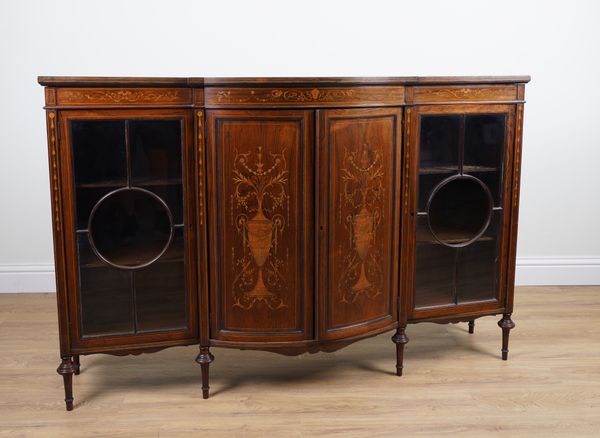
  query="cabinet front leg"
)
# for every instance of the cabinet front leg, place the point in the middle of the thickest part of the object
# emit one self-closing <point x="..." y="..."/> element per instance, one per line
<point x="66" y="369"/>
<point x="400" y="339"/>
<point x="77" y="364"/>
<point x="471" y="326"/>
<point x="506" y="324"/>
<point x="204" y="359"/>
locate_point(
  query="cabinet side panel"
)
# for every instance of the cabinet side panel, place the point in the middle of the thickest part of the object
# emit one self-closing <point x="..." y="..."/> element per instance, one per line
<point x="57" y="226"/>
<point x="514" y="199"/>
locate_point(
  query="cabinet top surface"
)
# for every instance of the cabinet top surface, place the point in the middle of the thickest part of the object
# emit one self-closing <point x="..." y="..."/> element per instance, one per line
<point x="96" y="81"/>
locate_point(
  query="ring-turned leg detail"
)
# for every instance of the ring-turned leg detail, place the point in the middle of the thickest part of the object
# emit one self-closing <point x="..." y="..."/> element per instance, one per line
<point x="204" y="359"/>
<point x="400" y="339"/>
<point x="506" y="324"/>
<point x="67" y="369"/>
<point x="77" y="364"/>
<point x="471" y="326"/>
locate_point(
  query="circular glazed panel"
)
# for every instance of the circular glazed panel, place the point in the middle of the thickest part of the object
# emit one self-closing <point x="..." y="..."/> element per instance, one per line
<point x="130" y="228"/>
<point x="459" y="210"/>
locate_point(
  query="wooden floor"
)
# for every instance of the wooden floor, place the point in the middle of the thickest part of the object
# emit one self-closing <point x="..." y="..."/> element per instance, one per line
<point x="454" y="383"/>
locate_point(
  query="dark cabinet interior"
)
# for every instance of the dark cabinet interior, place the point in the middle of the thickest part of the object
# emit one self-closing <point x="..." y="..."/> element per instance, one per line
<point x="460" y="209"/>
<point x="129" y="234"/>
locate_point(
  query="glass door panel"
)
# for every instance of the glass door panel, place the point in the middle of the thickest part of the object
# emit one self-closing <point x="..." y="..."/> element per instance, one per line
<point x="129" y="209"/>
<point x="459" y="210"/>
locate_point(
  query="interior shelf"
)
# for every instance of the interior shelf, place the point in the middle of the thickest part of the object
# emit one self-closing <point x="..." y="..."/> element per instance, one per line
<point x="424" y="236"/>
<point x="166" y="258"/>
<point x="99" y="184"/>
<point x="156" y="182"/>
<point x="139" y="183"/>
<point x="433" y="170"/>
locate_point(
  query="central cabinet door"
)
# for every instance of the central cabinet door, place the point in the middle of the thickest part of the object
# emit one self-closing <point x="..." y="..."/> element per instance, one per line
<point x="359" y="170"/>
<point x="261" y="204"/>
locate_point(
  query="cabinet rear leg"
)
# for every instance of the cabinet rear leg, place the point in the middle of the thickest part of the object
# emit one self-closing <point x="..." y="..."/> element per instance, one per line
<point x="472" y="326"/>
<point x="77" y="364"/>
<point x="67" y="369"/>
<point x="400" y="339"/>
<point x="204" y="359"/>
<point x="506" y="324"/>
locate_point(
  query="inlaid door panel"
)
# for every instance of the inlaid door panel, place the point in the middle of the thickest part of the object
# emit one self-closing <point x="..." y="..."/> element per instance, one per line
<point x="359" y="165"/>
<point x="261" y="201"/>
<point x="460" y="178"/>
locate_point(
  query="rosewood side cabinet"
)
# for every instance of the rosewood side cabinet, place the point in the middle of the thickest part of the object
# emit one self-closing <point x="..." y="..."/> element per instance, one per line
<point x="284" y="214"/>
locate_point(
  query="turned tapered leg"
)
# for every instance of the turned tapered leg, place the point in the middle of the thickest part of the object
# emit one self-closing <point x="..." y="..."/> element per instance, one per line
<point x="204" y="359"/>
<point x="77" y="364"/>
<point x="66" y="369"/>
<point x="400" y="339"/>
<point x="506" y="324"/>
<point x="471" y="326"/>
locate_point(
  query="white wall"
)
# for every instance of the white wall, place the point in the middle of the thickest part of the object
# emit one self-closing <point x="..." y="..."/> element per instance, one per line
<point x="557" y="43"/>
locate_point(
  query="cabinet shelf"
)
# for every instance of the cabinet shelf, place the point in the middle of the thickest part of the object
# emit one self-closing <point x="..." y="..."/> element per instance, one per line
<point x="425" y="237"/>
<point x="157" y="182"/>
<point x="434" y="170"/>
<point x="102" y="184"/>
<point x="138" y="183"/>
<point x="166" y="258"/>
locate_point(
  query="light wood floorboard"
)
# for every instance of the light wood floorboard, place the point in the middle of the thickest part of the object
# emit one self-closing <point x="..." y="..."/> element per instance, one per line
<point x="454" y="383"/>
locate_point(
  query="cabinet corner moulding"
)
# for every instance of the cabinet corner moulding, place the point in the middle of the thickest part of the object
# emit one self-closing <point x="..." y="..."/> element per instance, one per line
<point x="305" y="213"/>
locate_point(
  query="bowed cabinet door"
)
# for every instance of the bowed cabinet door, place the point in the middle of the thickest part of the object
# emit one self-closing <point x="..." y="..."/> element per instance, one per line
<point x="358" y="197"/>
<point x="261" y="234"/>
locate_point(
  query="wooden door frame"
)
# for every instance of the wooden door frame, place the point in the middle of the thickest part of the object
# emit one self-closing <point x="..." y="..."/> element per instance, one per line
<point x="218" y="336"/>
<point x="410" y="193"/>
<point x="159" y="339"/>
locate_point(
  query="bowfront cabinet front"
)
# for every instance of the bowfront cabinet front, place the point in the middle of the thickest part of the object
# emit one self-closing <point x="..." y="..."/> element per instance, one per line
<point x="288" y="215"/>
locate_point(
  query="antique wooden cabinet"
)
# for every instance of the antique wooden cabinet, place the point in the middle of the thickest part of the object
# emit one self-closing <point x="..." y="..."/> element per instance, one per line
<point x="289" y="215"/>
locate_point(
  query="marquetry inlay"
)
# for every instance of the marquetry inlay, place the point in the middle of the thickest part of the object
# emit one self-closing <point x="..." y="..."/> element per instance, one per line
<point x="434" y="94"/>
<point x="262" y="202"/>
<point x="376" y="95"/>
<point x="54" y="172"/>
<point x="123" y="96"/>
<point x="200" y="115"/>
<point x="362" y="192"/>
<point x="407" y="161"/>
<point x="517" y="166"/>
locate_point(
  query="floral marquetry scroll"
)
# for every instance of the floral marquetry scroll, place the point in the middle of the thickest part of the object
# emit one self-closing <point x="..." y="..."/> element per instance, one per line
<point x="262" y="205"/>
<point x="263" y="252"/>
<point x="360" y="207"/>
<point x="362" y="174"/>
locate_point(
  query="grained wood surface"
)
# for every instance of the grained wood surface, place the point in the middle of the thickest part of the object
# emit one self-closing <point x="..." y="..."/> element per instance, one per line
<point x="74" y="81"/>
<point x="260" y="190"/>
<point x="454" y="383"/>
<point x="359" y="154"/>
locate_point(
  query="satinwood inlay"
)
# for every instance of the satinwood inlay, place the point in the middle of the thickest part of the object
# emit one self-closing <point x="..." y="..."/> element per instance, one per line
<point x="362" y="192"/>
<point x="259" y="225"/>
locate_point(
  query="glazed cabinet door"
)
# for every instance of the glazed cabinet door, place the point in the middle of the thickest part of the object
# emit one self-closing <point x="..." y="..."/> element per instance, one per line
<point x="359" y="172"/>
<point x="261" y="204"/>
<point x="460" y="167"/>
<point x="128" y="192"/>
